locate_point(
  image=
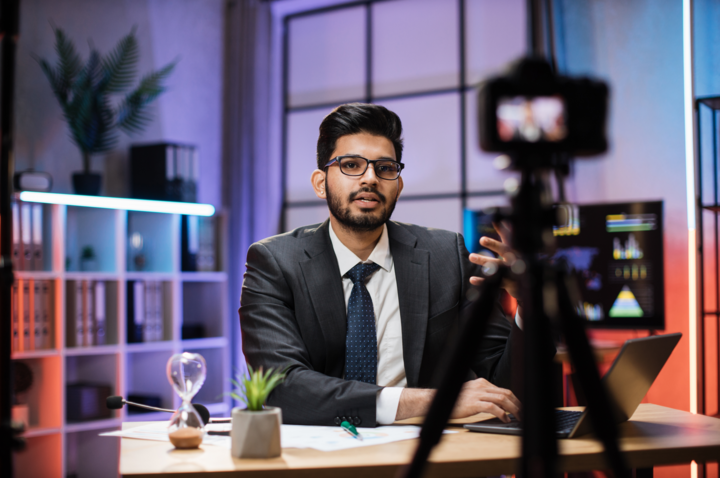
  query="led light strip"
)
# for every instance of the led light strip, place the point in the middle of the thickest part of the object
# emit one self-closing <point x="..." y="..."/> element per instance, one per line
<point x="690" y="185"/>
<point x="689" y="99"/>
<point x="104" y="202"/>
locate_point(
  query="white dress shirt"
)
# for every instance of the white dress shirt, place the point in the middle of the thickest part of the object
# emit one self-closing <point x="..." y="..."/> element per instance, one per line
<point x="382" y="287"/>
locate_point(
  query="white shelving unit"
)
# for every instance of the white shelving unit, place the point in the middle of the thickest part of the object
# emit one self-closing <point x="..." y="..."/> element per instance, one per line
<point x="58" y="448"/>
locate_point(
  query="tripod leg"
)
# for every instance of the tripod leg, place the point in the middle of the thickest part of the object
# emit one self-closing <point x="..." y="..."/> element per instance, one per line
<point x="539" y="443"/>
<point x="454" y="370"/>
<point x="599" y="404"/>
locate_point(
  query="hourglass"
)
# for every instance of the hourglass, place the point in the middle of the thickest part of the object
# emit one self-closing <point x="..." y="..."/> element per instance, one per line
<point x="186" y="373"/>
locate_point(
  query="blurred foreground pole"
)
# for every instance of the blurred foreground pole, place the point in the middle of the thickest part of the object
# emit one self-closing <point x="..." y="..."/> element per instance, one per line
<point x="9" y="22"/>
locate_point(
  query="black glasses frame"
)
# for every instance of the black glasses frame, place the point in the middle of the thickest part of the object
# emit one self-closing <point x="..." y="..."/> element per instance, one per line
<point x="368" y="162"/>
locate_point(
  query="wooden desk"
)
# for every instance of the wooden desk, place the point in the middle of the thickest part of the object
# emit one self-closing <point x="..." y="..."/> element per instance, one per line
<point x="654" y="436"/>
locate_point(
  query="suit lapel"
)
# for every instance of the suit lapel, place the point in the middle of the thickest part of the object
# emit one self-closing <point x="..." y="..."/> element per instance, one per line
<point x="322" y="278"/>
<point x="413" y="279"/>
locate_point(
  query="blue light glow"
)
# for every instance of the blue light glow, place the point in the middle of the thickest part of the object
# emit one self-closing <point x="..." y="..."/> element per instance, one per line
<point x="145" y="205"/>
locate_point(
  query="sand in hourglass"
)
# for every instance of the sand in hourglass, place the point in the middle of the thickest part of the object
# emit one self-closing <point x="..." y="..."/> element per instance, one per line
<point x="186" y="438"/>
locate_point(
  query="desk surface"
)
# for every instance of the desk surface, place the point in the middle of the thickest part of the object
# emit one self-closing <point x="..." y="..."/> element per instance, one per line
<point x="655" y="435"/>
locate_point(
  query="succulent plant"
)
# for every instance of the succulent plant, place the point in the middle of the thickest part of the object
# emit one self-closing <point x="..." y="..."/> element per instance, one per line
<point x="254" y="386"/>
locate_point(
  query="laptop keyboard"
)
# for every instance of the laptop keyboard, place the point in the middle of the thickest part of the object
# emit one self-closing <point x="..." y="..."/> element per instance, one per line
<point x="565" y="421"/>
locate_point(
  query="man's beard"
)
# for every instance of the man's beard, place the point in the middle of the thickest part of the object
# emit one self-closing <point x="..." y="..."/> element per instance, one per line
<point x="364" y="221"/>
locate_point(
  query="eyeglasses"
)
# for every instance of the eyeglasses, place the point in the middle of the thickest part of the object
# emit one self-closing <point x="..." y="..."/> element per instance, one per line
<point x="351" y="165"/>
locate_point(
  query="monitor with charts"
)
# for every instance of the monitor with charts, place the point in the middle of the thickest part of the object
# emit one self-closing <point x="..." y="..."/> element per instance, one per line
<point x="616" y="253"/>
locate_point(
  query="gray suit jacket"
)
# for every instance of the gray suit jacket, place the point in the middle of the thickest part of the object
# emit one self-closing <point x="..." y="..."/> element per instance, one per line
<point x="293" y="314"/>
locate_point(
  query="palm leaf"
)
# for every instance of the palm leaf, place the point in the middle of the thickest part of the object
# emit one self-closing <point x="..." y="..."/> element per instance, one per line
<point x="69" y="64"/>
<point x="81" y="113"/>
<point x="83" y="91"/>
<point x="132" y="114"/>
<point x="119" y="66"/>
<point x="54" y="79"/>
<point x="89" y="114"/>
<point x="106" y="137"/>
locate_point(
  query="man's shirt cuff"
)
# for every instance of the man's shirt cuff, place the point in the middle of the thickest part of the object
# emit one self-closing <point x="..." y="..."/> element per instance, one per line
<point x="518" y="319"/>
<point x="388" y="401"/>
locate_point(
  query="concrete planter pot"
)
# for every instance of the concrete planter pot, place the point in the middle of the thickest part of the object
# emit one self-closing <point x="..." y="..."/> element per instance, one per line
<point x="256" y="434"/>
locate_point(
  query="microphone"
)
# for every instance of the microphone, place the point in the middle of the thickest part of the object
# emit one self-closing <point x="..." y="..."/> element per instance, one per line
<point x="116" y="402"/>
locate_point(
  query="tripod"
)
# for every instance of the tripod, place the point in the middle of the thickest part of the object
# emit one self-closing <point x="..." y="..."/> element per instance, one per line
<point x="547" y="297"/>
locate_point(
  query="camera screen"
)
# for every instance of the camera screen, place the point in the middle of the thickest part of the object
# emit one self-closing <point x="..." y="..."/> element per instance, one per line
<point x="531" y="120"/>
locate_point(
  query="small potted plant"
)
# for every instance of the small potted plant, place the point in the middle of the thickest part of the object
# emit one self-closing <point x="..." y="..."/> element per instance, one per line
<point x="88" y="261"/>
<point x="256" y="429"/>
<point x="84" y="91"/>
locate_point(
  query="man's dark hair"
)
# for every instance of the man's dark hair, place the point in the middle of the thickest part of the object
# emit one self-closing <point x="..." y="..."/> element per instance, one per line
<point x="354" y="118"/>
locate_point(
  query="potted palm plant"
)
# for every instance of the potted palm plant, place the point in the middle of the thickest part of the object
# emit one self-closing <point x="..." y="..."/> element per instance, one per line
<point x="84" y="91"/>
<point x="255" y="430"/>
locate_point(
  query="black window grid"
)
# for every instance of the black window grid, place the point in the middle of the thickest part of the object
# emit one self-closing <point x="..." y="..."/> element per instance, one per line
<point x="462" y="89"/>
<point x="710" y="263"/>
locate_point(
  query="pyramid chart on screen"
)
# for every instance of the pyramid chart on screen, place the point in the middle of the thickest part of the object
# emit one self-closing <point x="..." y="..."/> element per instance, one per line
<point x="626" y="305"/>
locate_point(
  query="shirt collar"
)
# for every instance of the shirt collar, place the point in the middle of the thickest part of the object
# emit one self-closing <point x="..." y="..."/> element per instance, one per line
<point x="347" y="259"/>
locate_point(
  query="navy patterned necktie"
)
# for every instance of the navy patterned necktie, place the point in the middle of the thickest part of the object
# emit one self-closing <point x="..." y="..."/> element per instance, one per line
<point x="361" y="340"/>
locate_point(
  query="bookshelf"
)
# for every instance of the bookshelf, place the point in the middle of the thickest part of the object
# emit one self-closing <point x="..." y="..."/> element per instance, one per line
<point x="58" y="447"/>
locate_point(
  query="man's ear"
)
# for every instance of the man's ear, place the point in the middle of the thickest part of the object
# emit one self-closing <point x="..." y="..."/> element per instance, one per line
<point x="399" y="187"/>
<point x="318" y="183"/>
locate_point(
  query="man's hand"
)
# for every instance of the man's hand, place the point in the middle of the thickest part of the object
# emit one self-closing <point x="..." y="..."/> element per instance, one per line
<point x="475" y="397"/>
<point x="480" y="395"/>
<point x="507" y="257"/>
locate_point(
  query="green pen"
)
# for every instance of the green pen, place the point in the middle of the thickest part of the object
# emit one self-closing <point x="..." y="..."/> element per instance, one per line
<point x="350" y="428"/>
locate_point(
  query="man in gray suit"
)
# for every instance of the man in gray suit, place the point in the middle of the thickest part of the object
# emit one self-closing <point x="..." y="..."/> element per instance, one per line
<point x="358" y="308"/>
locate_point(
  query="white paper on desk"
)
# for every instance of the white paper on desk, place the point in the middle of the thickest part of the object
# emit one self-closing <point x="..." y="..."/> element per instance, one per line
<point x="335" y="438"/>
<point x="292" y="436"/>
<point x="157" y="431"/>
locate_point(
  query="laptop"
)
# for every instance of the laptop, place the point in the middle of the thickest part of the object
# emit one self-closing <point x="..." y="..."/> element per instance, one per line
<point x="628" y="380"/>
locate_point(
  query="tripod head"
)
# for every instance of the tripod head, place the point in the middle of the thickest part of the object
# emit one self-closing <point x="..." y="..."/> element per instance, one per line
<point x="540" y="120"/>
<point x="533" y="113"/>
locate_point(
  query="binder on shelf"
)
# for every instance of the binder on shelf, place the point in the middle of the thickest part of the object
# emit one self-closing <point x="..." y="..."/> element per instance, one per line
<point x="194" y="175"/>
<point x="37" y="235"/>
<point x="189" y="242"/>
<point x="89" y="313"/>
<point x="135" y="311"/>
<point x="148" y="323"/>
<point x="26" y="235"/>
<point x="206" y="257"/>
<point x="75" y="316"/>
<point x="99" y="313"/>
<point x="27" y="326"/>
<point x="15" y="318"/>
<point x="173" y="186"/>
<point x="37" y="315"/>
<point x="16" y="252"/>
<point x="158" y="327"/>
<point x="81" y="316"/>
<point x="170" y="173"/>
<point x="164" y="171"/>
<point x="47" y="314"/>
<point x="160" y="312"/>
<point x="188" y="174"/>
<point x="153" y="329"/>
<point x="149" y="326"/>
<point x="156" y="324"/>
